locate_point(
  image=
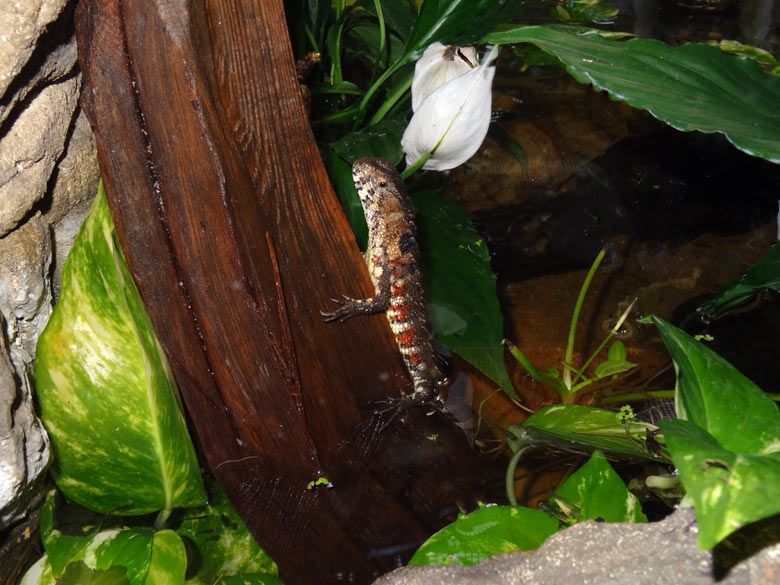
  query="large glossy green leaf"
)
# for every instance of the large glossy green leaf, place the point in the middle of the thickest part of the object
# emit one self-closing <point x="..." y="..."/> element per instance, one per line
<point x="459" y="22"/>
<point x="597" y="492"/>
<point x="728" y="449"/>
<point x="132" y="556"/>
<point x="461" y="286"/>
<point x="714" y="395"/>
<point x="486" y="532"/>
<point x="764" y="274"/>
<point x="728" y="489"/>
<point x="692" y="87"/>
<point x="105" y="390"/>
<point x="569" y="426"/>
<point x="225" y="546"/>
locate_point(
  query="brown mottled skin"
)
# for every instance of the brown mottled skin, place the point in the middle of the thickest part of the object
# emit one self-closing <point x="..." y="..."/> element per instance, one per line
<point x="392" y="258"/>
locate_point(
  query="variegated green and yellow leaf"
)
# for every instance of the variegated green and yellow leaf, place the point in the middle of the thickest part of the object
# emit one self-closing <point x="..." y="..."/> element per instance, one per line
<point x="106" y="392"/>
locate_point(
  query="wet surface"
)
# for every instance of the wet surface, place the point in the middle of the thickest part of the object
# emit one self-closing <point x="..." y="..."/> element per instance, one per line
<point x="567" y="171"/>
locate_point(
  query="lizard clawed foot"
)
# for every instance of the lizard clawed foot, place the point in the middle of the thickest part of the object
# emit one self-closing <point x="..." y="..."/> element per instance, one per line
<point x="397" y="406"/>
<point x="343" y="312"/>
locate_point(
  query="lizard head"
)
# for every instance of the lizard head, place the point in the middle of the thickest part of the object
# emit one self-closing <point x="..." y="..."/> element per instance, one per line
<point x="376" y="178"/>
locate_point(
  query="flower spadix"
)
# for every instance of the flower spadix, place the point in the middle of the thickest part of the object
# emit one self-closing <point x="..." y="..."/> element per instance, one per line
<point x="451" y="101"/>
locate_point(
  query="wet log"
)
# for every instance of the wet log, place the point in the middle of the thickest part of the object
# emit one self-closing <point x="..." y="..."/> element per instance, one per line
<point x="236" y="241"/>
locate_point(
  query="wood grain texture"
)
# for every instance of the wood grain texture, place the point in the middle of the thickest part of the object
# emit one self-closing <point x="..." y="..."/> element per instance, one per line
<point x="237" y="241"/>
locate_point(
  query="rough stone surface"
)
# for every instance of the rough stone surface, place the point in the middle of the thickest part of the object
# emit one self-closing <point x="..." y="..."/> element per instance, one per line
<point x="75" y="183"/>
<point x="22" y="23"/>
<point x="48" y="176"/>
<point x="25" y="305"/>
<point x="31" y="148"/>
<point x="25" y="290"/>
<point x="607" y="554"/>
<point x="24" y="447"/>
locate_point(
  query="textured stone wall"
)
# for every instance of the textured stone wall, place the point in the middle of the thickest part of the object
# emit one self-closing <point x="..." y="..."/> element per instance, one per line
<point x="48" y="176"/>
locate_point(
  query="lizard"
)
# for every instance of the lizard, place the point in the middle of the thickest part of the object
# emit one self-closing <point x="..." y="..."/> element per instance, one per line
<point x="393" y="261"/>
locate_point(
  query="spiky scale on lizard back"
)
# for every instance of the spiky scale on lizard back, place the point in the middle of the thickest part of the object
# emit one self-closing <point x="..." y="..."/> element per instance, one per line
<point x="392" y="258"/>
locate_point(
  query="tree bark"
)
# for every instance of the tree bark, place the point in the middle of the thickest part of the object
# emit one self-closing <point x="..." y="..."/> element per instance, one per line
<point x="236" y="242"/>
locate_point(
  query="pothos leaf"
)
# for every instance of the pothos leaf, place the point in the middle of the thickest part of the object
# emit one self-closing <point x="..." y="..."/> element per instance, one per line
<point x="461" y="286"/>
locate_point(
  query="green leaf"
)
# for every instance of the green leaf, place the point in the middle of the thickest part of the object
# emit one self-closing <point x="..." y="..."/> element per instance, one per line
<point x="318" y="13"/>
<point x="762" y="58"/>
<point x="105" y="390"/>
<point x="118" y="557"/>
<point x="728" y="489"/>
<point x="692" y="87"/>
<point x="400" y="16"/>
<point x="570" y="426"/>
<point x="617" y="352"/>
<point x="714" y="395"/>
<point x="130" y="548"/>
<point x="611" y="368"/>
<point x="764" y="274"/>
<point x="461" y="286"/>
<point x="457" y="22"/>
<point x="169" y="560"/>
<point x="79" y="573"/>
<point x="485" y="532"/>
<point x="585" y="11"/>
<point x="59" y="547"/>
<point x="599" y="492"/>
<point x="225" y="546"/>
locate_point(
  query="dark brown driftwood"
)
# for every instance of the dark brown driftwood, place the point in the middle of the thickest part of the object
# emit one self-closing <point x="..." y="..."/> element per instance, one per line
<point x="236" y="241"/>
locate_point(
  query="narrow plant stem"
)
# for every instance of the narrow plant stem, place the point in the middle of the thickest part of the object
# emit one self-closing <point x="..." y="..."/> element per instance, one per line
<point x="522" y="360"/>
<point x="162" y="518"/>
<point x="409" y="171"/>
<point x="392" y="99"/>
<point x="374" y="87"/>
<point x="632" y="396"/>
<point x="335" y="57"/>
<point x="342" y="117"/>
<point x="335" y="64"/>
<point x="581" y="372"/>
<point x="382" y="34"/>
<point x="310" y="35"/>
<point x="567" y="358"/>
<point x="510" y="475"/>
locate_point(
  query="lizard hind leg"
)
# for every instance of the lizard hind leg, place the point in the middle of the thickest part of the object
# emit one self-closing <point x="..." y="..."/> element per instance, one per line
<point x="350" y="307"/>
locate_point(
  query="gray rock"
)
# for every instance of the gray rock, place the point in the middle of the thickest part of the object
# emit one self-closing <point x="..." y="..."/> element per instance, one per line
<point x="608" y="554"/>
<point x="25" y="306"/>
<point x="31" y="148"/>
<point x="25" y="290"/>
<point x="22" y="23"/>
<point x="24" y="445"/>
<point x="75" y="183"/>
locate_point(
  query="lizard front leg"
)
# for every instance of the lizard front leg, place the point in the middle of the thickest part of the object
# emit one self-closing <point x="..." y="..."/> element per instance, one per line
<point x="350" y="307"/>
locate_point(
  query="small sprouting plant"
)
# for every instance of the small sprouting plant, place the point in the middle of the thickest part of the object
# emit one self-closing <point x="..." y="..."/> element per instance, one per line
<point x="572" y="379"/>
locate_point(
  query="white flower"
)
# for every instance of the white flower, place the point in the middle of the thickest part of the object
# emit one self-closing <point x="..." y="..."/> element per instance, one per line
<point x="438" y="65"/>
<point x="451" y="100"/>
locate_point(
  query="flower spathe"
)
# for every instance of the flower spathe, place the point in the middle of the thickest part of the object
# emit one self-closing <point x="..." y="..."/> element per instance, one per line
<point x="451" y="100"/>
<point x="438" y="65"/>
